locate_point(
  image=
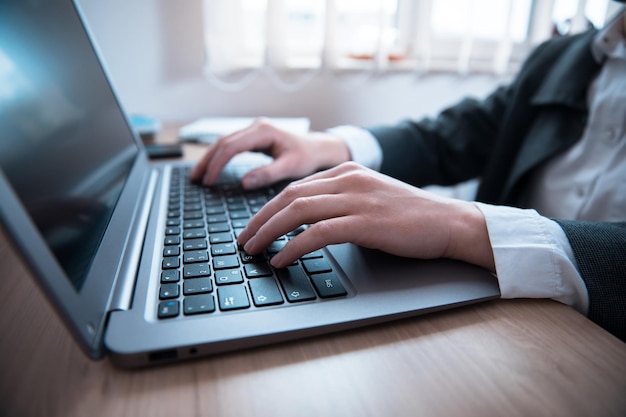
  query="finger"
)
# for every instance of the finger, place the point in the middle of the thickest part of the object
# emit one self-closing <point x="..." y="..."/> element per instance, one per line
<point x="301" y="211"/>
<point x="337" y="172"/>
<point x="259" y="135"/>
<point x="279" y="169"/>
<point x="225" y="149"/>
<point x="283" y="199"/>
<point x="199" y="170"/>
<point x="327" y="232"/>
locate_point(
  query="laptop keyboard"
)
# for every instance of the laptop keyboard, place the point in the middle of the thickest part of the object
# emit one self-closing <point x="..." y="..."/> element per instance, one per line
<point x="204" y="271"/>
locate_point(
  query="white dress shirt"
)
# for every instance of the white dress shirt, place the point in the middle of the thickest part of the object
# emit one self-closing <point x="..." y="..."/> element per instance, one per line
<point x="587" y="182"/>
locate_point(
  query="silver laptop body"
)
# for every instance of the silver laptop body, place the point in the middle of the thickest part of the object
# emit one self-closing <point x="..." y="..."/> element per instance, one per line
<point x="87" y="211"/>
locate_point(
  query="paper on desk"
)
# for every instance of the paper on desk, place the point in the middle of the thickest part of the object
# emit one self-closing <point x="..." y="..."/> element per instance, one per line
<point x="209" y="129"/>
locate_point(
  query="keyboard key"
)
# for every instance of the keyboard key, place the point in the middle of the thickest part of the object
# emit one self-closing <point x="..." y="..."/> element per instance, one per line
<point x="240" y="223"/>
<point x="192" y="215"/>
<point x="258" y="269"/>
<point x="328" y="285"/>
<point x="195" y="244"/>
<point x="234" y="201"/>
<point x="194" y="234"/>
<point x="215" y="210"/>
<point x="219" y="227"/>
<point x="265" y="292"/>
<point x="240" y="214"/>
<point x="228" y="276"/>
<point x="193" y="206"/>
<point x="170" y="262"/>
<point x="213" y="201"/>
<point x="223" y="249"/>
<point x="172" y="240"/>
<point x="237" y="206"/>
<point x="225" y="262"/>
<point x="195" y="256"/>
<point x="168" y="291"/>
<point x="170" y="275"/>
<point x="196" y="270"/>
<point x="197" y="286"/>
<point x="171" y="251"/>
<point x="233" y="297"/>
<point x="216" y="218"/>
<point x="257" y="200"/>
<point x="167" y="309"/>
<point x="296" y="284"/>
<point x="316" y="266"/>
<point x="172" y="230"/>
<point x="246" y="259"/>
<point x="220" y="238"/>
<point x="193" y="224"/>
<point x="198" y="304"/>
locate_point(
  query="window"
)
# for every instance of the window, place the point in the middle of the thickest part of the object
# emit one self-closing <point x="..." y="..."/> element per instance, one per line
<point x="245" y="38"/>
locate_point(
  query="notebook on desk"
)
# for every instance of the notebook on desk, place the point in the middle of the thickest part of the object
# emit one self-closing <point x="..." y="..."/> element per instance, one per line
<point x="142" y="265"/>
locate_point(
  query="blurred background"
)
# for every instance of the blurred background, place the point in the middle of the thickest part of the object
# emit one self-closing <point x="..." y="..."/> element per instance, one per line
<point x="360" y="62"/>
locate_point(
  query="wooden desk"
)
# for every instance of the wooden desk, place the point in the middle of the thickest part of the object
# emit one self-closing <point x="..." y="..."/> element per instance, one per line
<point x="500" y="358"/>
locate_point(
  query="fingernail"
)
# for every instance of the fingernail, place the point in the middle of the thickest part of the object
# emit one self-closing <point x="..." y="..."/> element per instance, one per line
<point x="249" y="244"/>
<point x="275" y="261"/>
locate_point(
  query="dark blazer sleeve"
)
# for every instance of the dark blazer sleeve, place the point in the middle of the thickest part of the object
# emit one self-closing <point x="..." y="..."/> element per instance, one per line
<point x="600" y="251"/>
<point x="449" y="149"/>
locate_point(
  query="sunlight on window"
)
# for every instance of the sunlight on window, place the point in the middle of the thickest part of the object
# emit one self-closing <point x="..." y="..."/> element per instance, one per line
<point x="305" y="25"/>
<point x="461" y="36"/>
<point x="484" y="19"/>
<point x="596" y="12"/>
<point x="565" y="10"/>
<point x="364" y="26"/>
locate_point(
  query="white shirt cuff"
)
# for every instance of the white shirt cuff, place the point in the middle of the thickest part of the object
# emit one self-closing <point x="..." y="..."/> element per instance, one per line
<point x="533" y="257"/>
<point x="363" y="146"/>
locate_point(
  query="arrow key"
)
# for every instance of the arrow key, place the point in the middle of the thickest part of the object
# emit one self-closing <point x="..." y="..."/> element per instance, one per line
<point x="265" y="292"/>
<point x="296" y="284"/>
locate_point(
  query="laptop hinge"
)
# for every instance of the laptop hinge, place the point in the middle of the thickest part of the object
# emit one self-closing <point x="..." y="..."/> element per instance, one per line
<point x="127" y="274"/>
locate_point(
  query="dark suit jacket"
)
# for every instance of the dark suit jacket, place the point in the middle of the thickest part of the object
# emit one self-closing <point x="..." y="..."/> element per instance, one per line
<point x="503" y="138"/>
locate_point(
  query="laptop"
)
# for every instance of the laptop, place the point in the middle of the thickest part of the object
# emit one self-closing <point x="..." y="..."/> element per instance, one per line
<point x="135" y="273"/>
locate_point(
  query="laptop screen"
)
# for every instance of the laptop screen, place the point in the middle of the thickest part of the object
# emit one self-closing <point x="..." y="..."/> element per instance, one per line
<point x="65" y="147"/>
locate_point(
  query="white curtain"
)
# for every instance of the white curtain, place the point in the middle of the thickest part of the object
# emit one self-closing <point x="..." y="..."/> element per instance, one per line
<point x="291" y="41"/>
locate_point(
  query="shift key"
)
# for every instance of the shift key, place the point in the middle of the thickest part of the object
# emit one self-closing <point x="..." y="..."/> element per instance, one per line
<point x="296" y="284"/>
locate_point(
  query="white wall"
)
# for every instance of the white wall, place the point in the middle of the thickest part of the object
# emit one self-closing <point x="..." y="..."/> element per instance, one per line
<point x="154" y="53"/>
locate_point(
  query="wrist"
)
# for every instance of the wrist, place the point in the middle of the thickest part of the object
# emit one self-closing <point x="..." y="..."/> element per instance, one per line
<point x="330" y="150"/>
<point x="469" y="237"/>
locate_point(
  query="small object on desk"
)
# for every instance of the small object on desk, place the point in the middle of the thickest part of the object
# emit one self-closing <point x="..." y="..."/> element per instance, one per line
<point x="209" y="129"/>
<point x="146" y="127"/>
<point x="156" y="151"/>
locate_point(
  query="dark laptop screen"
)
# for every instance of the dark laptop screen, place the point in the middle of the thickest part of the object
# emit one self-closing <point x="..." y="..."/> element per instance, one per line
<point x="65" y="147"/>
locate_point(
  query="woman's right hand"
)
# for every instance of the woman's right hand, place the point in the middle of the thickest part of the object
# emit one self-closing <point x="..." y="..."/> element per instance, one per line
<point x="295" y="155"/>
